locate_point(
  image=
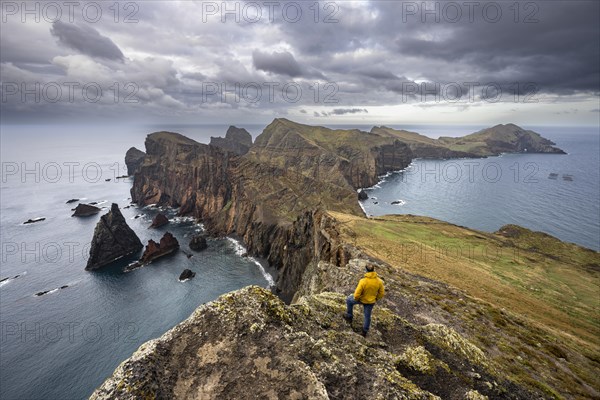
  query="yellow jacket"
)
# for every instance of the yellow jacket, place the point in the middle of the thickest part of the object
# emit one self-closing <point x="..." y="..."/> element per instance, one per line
<point x="369" y="289"/>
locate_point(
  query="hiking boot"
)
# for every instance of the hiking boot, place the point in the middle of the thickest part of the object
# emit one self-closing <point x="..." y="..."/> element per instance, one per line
<point x="348" y="318"/>
<point x="364" y="333"/>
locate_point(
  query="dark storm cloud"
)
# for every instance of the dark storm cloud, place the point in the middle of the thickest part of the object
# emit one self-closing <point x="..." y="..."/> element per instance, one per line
<point x="371" y="54"/>
<point x="343" y="111"/>
<point x="86" y="40"/>
<point x="282" y="63"/>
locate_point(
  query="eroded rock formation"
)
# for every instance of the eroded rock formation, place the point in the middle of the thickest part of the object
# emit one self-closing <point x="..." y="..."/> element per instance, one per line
<point x="113" y="239"/>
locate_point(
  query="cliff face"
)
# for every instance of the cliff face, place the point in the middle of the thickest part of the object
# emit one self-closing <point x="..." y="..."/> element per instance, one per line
<point x="268" y="195"/>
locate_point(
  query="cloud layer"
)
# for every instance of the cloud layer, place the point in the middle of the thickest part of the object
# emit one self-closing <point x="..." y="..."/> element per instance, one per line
<point x="366" y="60"/>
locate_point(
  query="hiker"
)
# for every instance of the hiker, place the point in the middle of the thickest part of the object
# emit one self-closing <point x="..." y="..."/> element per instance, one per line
<point x="369" y="290"/>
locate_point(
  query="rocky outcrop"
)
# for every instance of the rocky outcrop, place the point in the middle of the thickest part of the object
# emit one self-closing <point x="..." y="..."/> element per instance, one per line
<point x="198" y="243"/>
<point x="186" y="274"/>
<point x="249" y="342"/>
<point x="362" y="195"/>
<point x="168" y="244"/>
<point x="159" y="220"/>
<point x="236" y="140"/>
<point x="508" y="138"/>
<point x="85" y="210"/>
<point x="133" y="159"/>
<point x="113" y="239"/>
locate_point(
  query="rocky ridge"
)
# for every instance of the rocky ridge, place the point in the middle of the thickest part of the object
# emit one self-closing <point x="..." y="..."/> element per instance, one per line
<point x="236" y="140"/>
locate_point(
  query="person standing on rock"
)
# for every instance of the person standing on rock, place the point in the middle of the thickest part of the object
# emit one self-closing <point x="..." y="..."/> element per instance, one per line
<point x="368" y="291"/>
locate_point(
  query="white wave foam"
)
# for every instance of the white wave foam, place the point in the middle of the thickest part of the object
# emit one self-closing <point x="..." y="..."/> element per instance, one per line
<point x="239" y="249"/>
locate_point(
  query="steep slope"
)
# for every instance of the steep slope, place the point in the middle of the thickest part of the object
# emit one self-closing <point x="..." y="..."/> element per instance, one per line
<point x="428" y="338"/>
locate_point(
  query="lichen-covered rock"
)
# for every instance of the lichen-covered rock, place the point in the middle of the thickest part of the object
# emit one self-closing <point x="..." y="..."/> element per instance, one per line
<point x="113" y="239"/>
<point x="474" y="395"/>
<point x="249" y="344"/>
<point x="418" y="359"/>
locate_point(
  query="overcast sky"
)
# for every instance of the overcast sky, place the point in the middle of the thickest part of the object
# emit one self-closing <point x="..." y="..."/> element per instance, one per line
<point x="371" y="62"/>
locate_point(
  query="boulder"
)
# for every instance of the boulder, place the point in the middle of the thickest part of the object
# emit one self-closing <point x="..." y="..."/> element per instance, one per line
<point x="85" y="210"/>
<point x="159" y="221"/>
<point x="133" y="160"/>
<point x="186" y="274"/>
<point x="113" y="239"/>
<point x="72" y="201"/>
<point x="362" y="195"/>
<point x="198" y="243"/>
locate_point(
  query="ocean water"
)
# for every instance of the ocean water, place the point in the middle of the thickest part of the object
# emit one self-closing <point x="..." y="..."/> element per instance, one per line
<point x="62" y="345"/>
<point x="488" y="193"/>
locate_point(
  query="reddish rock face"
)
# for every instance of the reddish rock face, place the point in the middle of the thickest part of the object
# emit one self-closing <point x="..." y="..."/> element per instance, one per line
<point x="167" y="245"/>
<point x="159" y="221"/>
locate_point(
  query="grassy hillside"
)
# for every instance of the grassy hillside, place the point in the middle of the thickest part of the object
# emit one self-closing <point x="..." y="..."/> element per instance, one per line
<point x="550" y="282"/>
<point x="542" y="295"/>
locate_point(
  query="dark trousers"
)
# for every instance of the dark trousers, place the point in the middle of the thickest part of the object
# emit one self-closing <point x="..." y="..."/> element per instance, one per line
<point x="368" y="308"/>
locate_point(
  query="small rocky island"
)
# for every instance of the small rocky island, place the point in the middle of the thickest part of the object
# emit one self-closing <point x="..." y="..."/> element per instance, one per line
<point x="113" y="239"/>
<point x="85" y="210"/>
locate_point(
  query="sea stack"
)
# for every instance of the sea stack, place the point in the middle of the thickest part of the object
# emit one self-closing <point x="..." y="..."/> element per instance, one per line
<point x="159" y="221"/>
<point x="167" y="245"/>
<point x="113" y="239"/>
